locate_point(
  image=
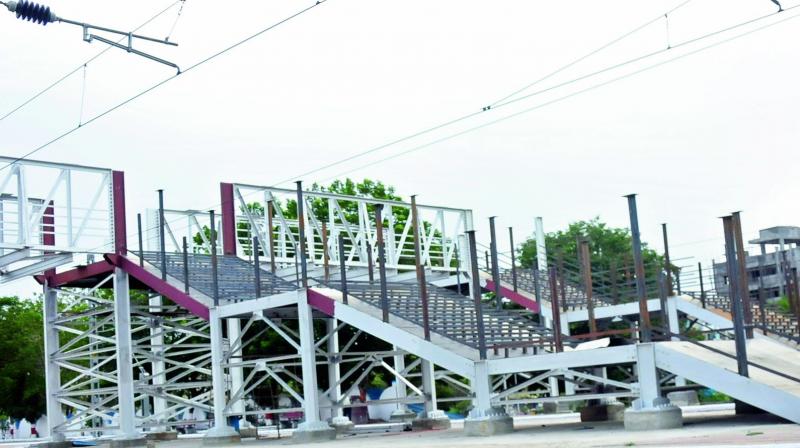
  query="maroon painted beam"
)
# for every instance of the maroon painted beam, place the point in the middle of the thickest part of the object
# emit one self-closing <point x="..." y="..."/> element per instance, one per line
<point x="160" y="286"/>
<point x="515" y="297"/>
<point x="321" y="302"/>
<point x="76" y="274"/>
<point x="120" y="227"/>
<point x="228" y="218"/>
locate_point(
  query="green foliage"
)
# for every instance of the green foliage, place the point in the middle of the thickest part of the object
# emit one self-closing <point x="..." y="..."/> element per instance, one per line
<point x="783" y="304"/>
<point x="712" y="396"/>
<point x="377" y="380"/>
<point x="22" y="390"/>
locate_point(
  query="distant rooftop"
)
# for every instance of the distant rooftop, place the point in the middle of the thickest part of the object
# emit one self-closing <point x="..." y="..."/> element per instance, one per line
<point x="773" y="235"/>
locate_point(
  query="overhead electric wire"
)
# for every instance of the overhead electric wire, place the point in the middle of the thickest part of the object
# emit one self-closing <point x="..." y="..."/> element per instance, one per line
<point x="70" y="73"/>
<point x="570" y="95"/>
<point x="164" y="81"/>
<point x="580" y="59"/>
<point x="548" y="89"/>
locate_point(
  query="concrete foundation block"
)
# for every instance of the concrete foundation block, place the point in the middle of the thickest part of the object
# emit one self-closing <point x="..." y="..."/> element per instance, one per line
<point x="607" y="412"/>
<point x="61" y="444"/>
<point x="489" y="423"/>
<point x="161" y="436"/>
<point x="435" y="420"/>
<point x="221" y="435"/>
<point x="342" y="425"/>
<point x="248" y="432"/>
<point x="313" y="432"/>
<point x="646" y="419"/>
<point x="402" y="415"/>
<point x="125" y="443"/>
<point x="683" y="398"/>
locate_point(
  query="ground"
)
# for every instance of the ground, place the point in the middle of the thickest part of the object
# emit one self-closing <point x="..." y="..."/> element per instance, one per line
<point x="701" y="429"/>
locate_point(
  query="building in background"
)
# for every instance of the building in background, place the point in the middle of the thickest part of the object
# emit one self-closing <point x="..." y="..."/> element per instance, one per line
<point x="772" y="268"/>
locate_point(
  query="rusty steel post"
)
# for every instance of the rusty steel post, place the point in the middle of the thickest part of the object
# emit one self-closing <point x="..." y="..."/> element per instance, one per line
<point x="141" y="238"/>
<point x="667" y="264"/>
<point x="733" y="293"/>
<point x="562" y="280"/>
<point x="498" y="298"/>
<point x="381" y="262"/>
<point x="325" y="256"/>
<point x="301" y="233"/>
<point x="476" y="293"/>
<point x="553" y="276"/>
<point x="423" y="286"/>
<point x="702" y="289"/>
<point x="342" y="269"/>
<point x="762" y="300"/>
<point x="586" y="271"/>
<point x="257" y="265"/>
<point x="641" y="291"/>
<point x="612" y="277"/>
<point x="744" y="284"/>
<point x="214" y="266"/>
<point x="370" y="266"/>
<point x="513" y="259"/>
<point x="271" y="236"/>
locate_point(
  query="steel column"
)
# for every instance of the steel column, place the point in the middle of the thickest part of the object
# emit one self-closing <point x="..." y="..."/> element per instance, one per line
<point x="162" y="241"/>
<point x="541" y="249"/>
<point x="513" y="259"/>
<point x="122" y="327"/>
<point x="556" y="318"/>
<point x="301" y="232"/>
<point x="736" y="304"/>
<point x="641" y="292"/>
<point x="744" y="287"/>
<point x="667" y="264"/>
<point x="381" y="262"/>
<point x="271" y="237"/>
<point x="342" y="269"/>
<point x="120" y="222"/>
<point x="141" y="238"/>
<point x="428" y="387"/>
<point x="228" y="219"/>
<point x="214" y="266"/>
<point x="702" y="289"/>
<point x="52" y="374"/>
<point x="476" y="293"/>
<point x="498" y="298"/>
<point x="586" y="267"/>
<point x="423" y="286"/>
<point x="308" y="360"/>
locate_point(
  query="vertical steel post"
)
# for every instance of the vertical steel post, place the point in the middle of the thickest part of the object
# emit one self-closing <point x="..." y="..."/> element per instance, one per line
<point x="702" y="289"/>
<point x="141" y="239"/>
<point x="52" y="371"/>
<point x="612" y="273"/>
<point x="423" y="286"/>
<point x="301" y="231"/>
<point x="744" y="286"/>
<point x="641" y="292"/>
<point x="124" y="350"/>
<point x="476" y="293"/>
<point x="513" y="259"/>
<point x="553" y="275"/>
<point x="185" y="266"/>
<point x="342" y="269"/>
<point x="667" y="264"/>
<point x="257" y="265"/>
<point x="733" y="292"/>
<point x="325" y="255"/>
<point x="663" y="288"/>
<point x="271" y="236"/>
<point x="214" y="266"/>
<point x="495" y="265"/>
<point x="228" y="227"/>
<point x="370" y="266"/>
<point x="381" y="262"/>
<point x="561" y="276"/>
<point x="586" y="267"/>
<point x="162" y="241"/>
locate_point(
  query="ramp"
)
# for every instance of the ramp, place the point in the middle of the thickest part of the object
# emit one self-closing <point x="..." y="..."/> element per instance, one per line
<point x="774" y="388"/>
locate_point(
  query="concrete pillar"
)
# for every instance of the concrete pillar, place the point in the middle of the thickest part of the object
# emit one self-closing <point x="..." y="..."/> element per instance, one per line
<point x="128" y="435"/>
<point x="484" y="420"/>
<point x="237" y="377"/>
<point x="221" y="432"/>
<point x="312" y="429"/>
<point x="650" y="411"/>
<point x="338" y="420"/>
<point x="432" y="417"/>
<point x="52" y="373"/>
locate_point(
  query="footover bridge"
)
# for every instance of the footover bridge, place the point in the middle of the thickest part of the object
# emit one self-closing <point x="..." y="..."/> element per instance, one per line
<point x="164" y="333"/>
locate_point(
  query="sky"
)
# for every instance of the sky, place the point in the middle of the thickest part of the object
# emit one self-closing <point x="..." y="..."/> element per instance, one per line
<point x="697" y="137"/>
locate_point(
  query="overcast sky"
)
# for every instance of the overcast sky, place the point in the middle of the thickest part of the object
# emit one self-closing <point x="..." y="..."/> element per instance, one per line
<point x="697" y="138"/>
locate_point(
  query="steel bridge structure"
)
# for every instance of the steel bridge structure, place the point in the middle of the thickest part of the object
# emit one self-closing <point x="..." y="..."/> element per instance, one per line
<point x="280" y="290"/>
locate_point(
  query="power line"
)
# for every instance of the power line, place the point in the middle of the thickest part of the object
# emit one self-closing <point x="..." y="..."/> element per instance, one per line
<point x="539" y="92"/>
<point x="605" y="46"/>
<point x="562" y="98"/>
<point x="83" y="65"/>
<point x="164" y="81"/>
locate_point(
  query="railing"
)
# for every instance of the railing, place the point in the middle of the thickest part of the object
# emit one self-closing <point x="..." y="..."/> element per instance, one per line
<point x="328" y="215"/>
<point x="55" y="207"/>
<point x="194" y="225"/>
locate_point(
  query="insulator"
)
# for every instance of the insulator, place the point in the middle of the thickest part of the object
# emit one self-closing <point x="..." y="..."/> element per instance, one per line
<point x="32" y="12"/>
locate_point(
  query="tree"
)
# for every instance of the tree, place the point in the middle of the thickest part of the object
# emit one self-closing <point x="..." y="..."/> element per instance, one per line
<point x="611" y="254"/>
<point x="22" y="385"/>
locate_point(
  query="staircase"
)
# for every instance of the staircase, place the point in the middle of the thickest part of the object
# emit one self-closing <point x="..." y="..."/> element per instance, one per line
<point x="451" y="315"/>
<point x="775" y="321"/>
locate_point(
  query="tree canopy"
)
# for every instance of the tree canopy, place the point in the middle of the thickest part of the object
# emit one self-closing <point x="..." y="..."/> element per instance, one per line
<point x="22" y="391"/>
